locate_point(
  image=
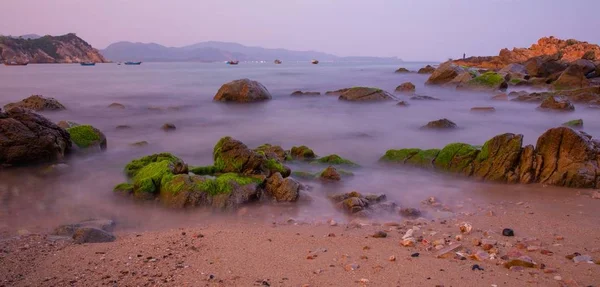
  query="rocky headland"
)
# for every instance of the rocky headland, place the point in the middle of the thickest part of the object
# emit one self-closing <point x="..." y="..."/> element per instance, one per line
<point x="48" y="49"/>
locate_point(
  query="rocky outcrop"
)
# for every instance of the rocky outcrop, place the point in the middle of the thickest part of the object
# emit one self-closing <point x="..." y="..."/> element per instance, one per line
<point x="29" y="138"/>
<point x="426" y="70"/>
<point x="48" y="49"/>
<point x="89" y="231"/>
<point x="242" y="91"/>
<point x="561" y="157"/>
<point x="37" y="103"/>
<point x="584" y="95"/>
<point x="441" y="124"/>
<point x="445" y="73"/>
<point x="407" y="87"/>
<point x="575" y="76"/>
<point x="238" y="176"/>
<point x="557" y="104"/>
<point x="570" y="50"/>
<point x="365" y="94"/>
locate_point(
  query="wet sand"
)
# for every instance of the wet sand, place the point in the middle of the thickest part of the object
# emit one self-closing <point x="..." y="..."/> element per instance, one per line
<point x="254" y="248"/>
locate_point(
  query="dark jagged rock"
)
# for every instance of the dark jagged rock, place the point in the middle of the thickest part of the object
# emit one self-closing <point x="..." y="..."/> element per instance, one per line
<point x="407" y="87"/>
<point x="440" y="124"/>
<point x="242" y="91"/>
<point x="544" y="66"/>
<point x="561" y="157"/>
<point x="364" y="94"/>
<point x="557" y="104"/>
<point x="426" y="70"/>
<point x="37" y="103"/>
<point x="29" y="138"/>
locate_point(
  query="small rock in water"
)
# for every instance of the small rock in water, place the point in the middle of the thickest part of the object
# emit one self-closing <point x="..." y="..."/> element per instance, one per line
<point x="465" y="228"/>
<point x="140" y="143"/>
<point x="476" y="267"/>
<point x="508" y="232"/>
<point x="169" y="127"/>
<point x="379" y="234"/>
<point x="483" y="109"/>
<point x="402" y="103"/>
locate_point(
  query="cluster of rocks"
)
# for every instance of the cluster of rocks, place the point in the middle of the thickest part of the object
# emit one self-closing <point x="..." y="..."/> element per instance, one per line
<point x="560" y="65"/>
<point x="589" y="95"/>
<point x="29" y="138"/>
<point x="561" y="157"/>
<point x="425" y="70"/>
<point x="239" y="175"/>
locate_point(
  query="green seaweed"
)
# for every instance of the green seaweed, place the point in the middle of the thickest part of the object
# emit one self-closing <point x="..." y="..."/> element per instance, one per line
<point x="123" y="187"/>
<point x="399" y="155"/>
<point x="456" y="157"/>
<point x="274" y="165"/>
<point x="515" y="81"/>
<point x="488" y="79"/>
<point x="204" y="170"/>
<point x="84" y="135"/>
<point x="423" y="158"/>
<point x="224" y="183"/>
<point x="302" y="152"/>
<point x="132" y="168"/>
<point x="173" y="183"/>
<point x="334" y="159"/>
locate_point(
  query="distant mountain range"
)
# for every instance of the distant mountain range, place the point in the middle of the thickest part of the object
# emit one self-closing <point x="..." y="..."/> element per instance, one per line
<point x="218" y="52"/>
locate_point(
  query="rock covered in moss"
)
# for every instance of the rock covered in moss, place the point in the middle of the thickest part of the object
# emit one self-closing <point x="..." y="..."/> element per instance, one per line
<point x="423" y="98"/>
<point x="273" y="152"/>
<point x="334" y="159"/>
<point x="406" y="87"/>
<point x="37" y="103"/>
<point x="574" y="123"/>
<point x="231" y="155"/>
<point x="282" y="189"/>
<point x="302" y="153"/>
<point x="365" y="94"/>
<point x="562" y="157"/>
<point x="87" y="137"/>
<point x="441" y="124"/>
<point x="487" y="81"/>
<point x="330" y="174"/>
<point x="242" y="91"/>
<point x="29" y="138"/>
<point x="556" y="104"/>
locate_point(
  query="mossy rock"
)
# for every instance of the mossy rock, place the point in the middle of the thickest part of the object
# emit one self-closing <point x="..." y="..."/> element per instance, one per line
<point x="124" y="188"/>
<point x="231" y="155"/>
<point x="515" y="81"/>
<point x="334" y="159"/>
<point x="302" y="153"/>
<point x="272" y="151"/>
<point x="204" y="170"/>
<point x="423" y="158"/>
<point x="574" y="124"/>
<point x="275" y="166"/>
<point x="498" y="157"/>
<point x="147" y="181"/>
<point x="225" y="183"/>
<point x="132" y="168"/>
<point x="399" y="155"/>
<point x="456" y="157"/>
<point x="491" y="80"/>
<point x="86" y="136"/>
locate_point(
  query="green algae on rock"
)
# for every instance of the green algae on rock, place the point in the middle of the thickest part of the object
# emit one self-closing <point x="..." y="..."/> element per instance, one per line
<point x="334" y="159"/>
<point x="488" y="80"/>
<point x="86" y="136"/>
<point x="302" y="153"/>
<point x="574" y="123"/>
<point x="561" y="157"/>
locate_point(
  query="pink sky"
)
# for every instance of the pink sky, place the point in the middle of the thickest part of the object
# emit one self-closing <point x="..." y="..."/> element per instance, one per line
<point x="409" y="29"/>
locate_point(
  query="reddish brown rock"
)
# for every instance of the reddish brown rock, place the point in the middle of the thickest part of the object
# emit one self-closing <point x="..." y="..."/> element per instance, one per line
<point x="407" y="87"/>
<point x="242" y="91"/>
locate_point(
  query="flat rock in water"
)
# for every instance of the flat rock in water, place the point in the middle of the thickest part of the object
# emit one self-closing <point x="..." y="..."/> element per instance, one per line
<point x="37" y="103"/>
<point x="301" y="93"/>
<point x="556" y="104"/>
<point x="424" y="98"/>
<point x="365" y="94"/>
<point x="440" y="124"/>
<point x="483" y="109"/>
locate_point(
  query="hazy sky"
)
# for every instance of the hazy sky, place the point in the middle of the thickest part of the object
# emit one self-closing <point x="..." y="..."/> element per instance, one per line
<point x="409" y="29"/>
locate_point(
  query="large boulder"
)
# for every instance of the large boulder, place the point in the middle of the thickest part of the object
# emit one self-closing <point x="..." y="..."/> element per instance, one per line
<point x="445" y="73"/>
<point x="567" y="158"/>
<point x="242" y="91"/>
<point x="29" y="138"/>
<point x="364" y="94"/>
<point x="575" y="75"/>
<point x="557" y="104"/>
<point x="426" y="70"/>
<point x="37" y="103"/>
<point x="282" y="189"/>
<point x="441" y="124"/>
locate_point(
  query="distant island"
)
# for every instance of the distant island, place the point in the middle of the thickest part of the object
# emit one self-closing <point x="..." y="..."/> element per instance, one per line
<point x="47" y="49"/>
<point x="219" y="52"/>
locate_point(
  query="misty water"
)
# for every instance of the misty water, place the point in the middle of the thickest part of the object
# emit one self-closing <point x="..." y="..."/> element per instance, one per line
<point x="181" y="93"/>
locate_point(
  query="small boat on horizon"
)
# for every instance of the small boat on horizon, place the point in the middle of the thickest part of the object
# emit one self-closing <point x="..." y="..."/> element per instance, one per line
<point x="87" y="64"/>
<point x="278" y="62"/>
<point x="232" y="62"/>
<point x="133" y="63"/>
<point x="314" y="62"/>
<point x="13" y="63"/>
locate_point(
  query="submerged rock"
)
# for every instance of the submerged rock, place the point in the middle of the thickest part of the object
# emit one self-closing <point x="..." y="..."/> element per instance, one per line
<point x="37" y="103"/>
<point x="334" y="159"/>
<point x="407" y="87"/>
<point x="116" y="106"/>
<point x="557" y="104"/>
<point x="242" y="91"/>
<point x="402" y="70"/>
<point x="426" y="70"/>
<point x="424" y="98"/>
<point x="561" y="157"/>
<point x="363" y="94"/>
<point x="483" y="109"/>
<point x="301" y="93"/>
<point x="29" y="138"/>
<point x="167" y="127"/>
<point x="440" y="124"/>
<point x="574" y="123"/>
